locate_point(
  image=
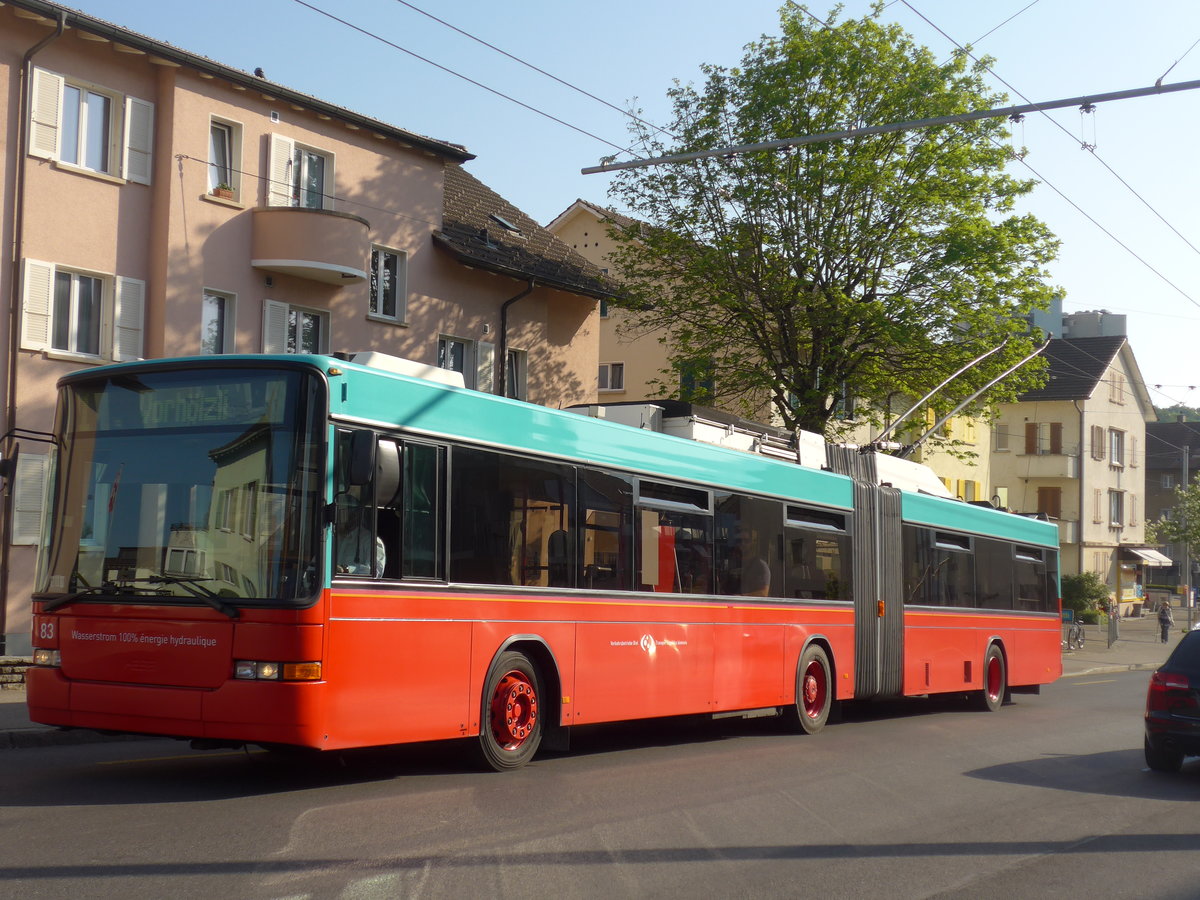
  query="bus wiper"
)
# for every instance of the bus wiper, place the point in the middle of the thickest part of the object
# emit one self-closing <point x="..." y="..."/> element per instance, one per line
<point x="107" y="589"/>
<point x="199" y="591"/>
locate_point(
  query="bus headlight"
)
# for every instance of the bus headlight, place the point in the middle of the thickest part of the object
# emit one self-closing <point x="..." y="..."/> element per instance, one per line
<point x="43" y="657"/>
<point x="252" y="670"/>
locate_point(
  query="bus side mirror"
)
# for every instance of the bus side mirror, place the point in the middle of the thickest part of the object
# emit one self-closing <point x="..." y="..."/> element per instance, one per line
<point x="387" y="474"/>
<point x="362" y="457"/>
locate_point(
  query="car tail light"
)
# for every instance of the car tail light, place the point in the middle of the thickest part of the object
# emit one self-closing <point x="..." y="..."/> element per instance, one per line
<point x="1168" y="691"/>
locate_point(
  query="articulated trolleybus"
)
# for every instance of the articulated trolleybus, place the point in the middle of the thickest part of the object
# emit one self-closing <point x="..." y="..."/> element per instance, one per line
<point x="317" y="552"/>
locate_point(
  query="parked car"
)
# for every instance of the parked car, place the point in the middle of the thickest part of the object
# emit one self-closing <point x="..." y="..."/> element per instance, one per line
<point x="1173" y="707"/>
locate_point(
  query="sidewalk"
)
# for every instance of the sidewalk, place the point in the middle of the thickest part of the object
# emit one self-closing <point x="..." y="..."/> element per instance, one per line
<point x="1138" y="649"/>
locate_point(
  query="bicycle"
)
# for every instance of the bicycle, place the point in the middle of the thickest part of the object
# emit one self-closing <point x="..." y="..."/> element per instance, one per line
<point x="1073" y="636"/>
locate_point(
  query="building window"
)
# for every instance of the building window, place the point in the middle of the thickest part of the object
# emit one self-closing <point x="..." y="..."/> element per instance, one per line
<point x="293" y="329"/>
<point x="216" y="323"/>
<point x="224" y="158"/>
<point x="1116" y="447"/>
<point x="1000" y="438"/>
<point x="1116" y="508"/>
<point x="458" y="355"/>
<point x="612" y="376"/>
<point x="389" y="287"/>
<point x="91" y="128"/>
<point x="300" y="176"/>
<point x="74" y="313"/>
<point x="1168" y="482"/>
<point x="86" y="128"/>
<point x="1116" y="388"/>
<point x="1049" y="500"/>
<point x="516" y="375"/>
<point x="604" y="309"/>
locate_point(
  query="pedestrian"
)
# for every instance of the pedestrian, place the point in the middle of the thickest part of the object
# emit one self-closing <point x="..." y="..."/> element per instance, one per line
<point x="1165" y="619"/>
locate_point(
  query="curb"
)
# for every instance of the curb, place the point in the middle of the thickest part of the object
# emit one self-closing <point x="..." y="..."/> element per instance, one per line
<point x="1113" y="669"/>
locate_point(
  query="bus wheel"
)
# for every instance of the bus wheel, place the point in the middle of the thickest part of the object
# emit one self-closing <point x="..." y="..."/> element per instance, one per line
<point x="511" y="728"/>
<point x="995" y="681"/>
<point x="814" y="692"/>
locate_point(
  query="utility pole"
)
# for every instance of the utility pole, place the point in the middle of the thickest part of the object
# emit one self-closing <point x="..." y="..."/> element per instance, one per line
<point x="1185" y="564"/>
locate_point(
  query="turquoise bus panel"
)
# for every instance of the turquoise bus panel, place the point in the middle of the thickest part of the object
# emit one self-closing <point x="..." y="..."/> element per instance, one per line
<point x="425" y="407"/>
<point x="955" y="515"/>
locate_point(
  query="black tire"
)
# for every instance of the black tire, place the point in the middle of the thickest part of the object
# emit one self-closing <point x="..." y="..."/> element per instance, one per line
<point x="1079" y="637"/>
<point x="511" y="723"/>
<point x="814" y="692"/>
<point x="995" y="681"/>
<point x="1162" y="759"/>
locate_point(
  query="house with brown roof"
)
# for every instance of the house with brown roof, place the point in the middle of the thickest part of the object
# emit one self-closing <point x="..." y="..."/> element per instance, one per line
<point x="161" y="204"/>
<point x="1074" y="451"/>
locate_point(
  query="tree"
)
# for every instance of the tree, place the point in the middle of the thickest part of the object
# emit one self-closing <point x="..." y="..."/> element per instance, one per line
<point x="1183" y="527"/>
<point x="1085" y="593"/>
<point x="839" y="273"/>
<point x="1178" y="413"/>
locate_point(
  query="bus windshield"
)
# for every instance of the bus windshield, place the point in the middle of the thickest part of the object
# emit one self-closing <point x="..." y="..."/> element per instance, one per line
<point x="187" y="485"/>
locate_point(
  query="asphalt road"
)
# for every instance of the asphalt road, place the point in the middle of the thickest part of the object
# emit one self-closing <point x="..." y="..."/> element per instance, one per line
<point x="1049" y="798"/>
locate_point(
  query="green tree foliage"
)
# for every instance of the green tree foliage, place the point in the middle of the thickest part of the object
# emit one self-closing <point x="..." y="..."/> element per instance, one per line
<point x="852" y="269"/>
<point x="1084" y="593"/>
<point x="1176" y="412"/>
<point x="1184" y="525"/>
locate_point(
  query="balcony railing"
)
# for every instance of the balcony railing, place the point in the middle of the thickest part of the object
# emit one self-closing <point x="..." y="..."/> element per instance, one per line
<point x="1050" y="465"/>
<point x="317" y="244"/>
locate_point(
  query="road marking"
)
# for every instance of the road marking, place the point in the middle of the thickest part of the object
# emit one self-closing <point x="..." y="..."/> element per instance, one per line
<point x="1105" y="681"/>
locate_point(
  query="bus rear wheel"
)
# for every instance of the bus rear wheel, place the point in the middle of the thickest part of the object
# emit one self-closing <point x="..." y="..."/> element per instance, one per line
<point x="995" y="681"/>
<point x="511" y="726"/>
<point x="814" y="692"/>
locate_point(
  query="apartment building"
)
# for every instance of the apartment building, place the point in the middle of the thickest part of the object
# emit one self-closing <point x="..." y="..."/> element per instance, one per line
<point x="160" y="204"/>
<point x="1074" y="451"/>
<point x="1172" y="462"/>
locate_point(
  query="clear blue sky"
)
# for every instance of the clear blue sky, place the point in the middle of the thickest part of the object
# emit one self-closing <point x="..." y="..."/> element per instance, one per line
<point x="624" y="51"/>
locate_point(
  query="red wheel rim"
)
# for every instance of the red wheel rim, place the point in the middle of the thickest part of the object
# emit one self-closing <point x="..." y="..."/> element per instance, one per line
<point x="994" y="678"/>
<point x="513" y="710"/>
<point x="814" y="688"/>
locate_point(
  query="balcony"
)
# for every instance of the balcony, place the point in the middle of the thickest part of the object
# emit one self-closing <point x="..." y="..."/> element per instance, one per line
<point x="317" y="244"/>
<point x="1068" y="531"/>
<point x="1050" y="465"/>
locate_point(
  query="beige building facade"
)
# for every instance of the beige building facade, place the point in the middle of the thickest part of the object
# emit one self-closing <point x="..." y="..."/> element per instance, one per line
<point x="1074" y="451"/>
<point x="159" y="204"/>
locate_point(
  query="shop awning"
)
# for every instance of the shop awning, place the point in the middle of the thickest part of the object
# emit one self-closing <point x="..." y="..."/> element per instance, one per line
<point x="1149" y="556"/>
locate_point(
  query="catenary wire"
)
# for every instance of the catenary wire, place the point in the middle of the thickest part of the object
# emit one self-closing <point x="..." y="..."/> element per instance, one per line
<point x="1090" y="148"/>
<point x="465" y="78"/>
<point x="540" y="71"/>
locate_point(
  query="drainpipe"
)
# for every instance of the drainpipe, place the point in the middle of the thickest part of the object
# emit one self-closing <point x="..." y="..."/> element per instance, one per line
<point x="17" y="192"/>
<point x="1083" y="438"/>
<point x="503" y="385"/>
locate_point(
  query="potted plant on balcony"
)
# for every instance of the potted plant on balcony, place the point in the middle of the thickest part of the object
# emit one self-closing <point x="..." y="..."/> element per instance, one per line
<point x="223" y="190"/>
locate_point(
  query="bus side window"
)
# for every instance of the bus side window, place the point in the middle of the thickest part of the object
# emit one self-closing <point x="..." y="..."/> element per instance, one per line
<point x="607" y="502"/>
<point x="512" y="520"/>
<point x="418" y="512"/>
<point x="356" y="549"/>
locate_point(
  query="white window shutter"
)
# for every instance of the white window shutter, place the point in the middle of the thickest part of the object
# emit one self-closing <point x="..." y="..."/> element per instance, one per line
<point x="139" y="140"/>
<point x="275" y="325"/>
<point x="29" y="493"/>
<point x="279" y="187"/>
<point x="485" y="362"/>
<point x="129" y="314"/>
<point x="35" y="305"/>
<point x="45" y="111"/>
